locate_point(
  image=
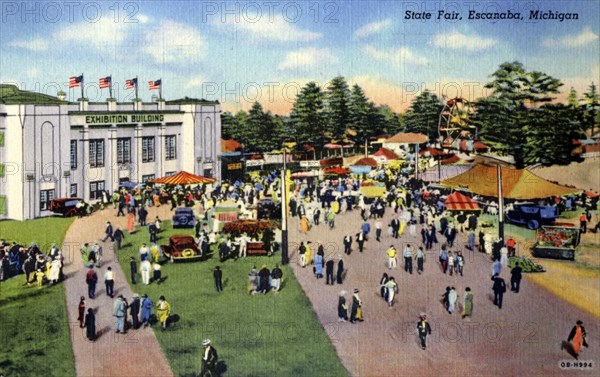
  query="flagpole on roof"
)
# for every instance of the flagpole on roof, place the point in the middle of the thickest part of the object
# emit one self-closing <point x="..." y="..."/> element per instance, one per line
<point x="160" y="89"/>
<point x="81" y="85"/>
<point x="110" y="86"/>
<point x="136" y="88"/>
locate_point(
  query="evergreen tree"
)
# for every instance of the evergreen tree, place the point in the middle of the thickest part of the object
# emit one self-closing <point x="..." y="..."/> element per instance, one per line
<point x="338" y="113"/>
<point x="308" y="115"/>
<point x="503" y="118"/>
<point x="229" y="126"/>
<point x="424" y="114"/>
<point x="361" y="115"/>
<point x="590" y="107"/>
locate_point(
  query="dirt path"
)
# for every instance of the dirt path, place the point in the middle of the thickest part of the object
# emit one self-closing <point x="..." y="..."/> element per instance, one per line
<point x="136" y="353"/>
<point x="522" y="339"/>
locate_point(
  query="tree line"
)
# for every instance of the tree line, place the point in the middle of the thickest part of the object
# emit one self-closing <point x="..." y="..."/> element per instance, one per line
<point x="519" y="117"/>
<point x="336" y="114"/>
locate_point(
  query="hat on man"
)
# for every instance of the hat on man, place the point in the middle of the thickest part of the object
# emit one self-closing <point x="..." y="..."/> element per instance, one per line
<point x="206" y="342"/>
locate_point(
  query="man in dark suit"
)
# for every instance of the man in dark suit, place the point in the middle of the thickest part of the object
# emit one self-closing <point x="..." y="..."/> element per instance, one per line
<point x="499" y="288"/>
<point x="395" y="227"/>
<point x="108" y="232"/>
<point x="329" y="271"/>
<point x="348" y="244"/>
<point x="515" y="278"/>
<point x="218" y="275"/>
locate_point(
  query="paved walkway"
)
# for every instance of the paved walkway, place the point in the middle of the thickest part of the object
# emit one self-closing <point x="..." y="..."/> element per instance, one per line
<point x="522" y="339"/>
<point x="136" y="353"/>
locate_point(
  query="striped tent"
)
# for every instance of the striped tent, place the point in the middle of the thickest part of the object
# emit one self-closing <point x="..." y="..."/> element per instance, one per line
<point x="182" y="178"/>
<point x="460" y="202"/>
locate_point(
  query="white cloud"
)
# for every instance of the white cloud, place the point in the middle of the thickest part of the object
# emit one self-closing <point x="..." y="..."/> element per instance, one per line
<point x="34" y="44"/>
<point x="194" y="82"/>
<point x="372" y="28"/>
<point x="307" y="58"/>
<point x="274" y="28"/>
<point x="586" y="36"/>
<point x="398" y="57"/>
<point x="458" y="41"/>
<point x="104" y="32"/>
<point x="173" y="42"/>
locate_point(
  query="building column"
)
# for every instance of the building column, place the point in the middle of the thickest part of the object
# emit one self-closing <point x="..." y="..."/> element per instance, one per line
<point x="138" y="148"/>
<point x="112" y="169"/>
<point x="85" y="165"/>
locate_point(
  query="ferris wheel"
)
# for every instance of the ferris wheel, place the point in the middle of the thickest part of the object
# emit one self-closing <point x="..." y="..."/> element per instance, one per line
<point x="455" y="122"/>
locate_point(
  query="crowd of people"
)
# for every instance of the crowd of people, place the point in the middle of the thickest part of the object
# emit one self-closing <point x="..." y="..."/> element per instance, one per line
<point x="39" y="268"/>
<point x="414" y="204"/>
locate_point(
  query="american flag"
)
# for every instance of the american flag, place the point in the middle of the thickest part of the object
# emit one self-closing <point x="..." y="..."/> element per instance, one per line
<point x="105" y="82"/>
<point x="154" y="85"/>
<point x="130" y="84"/>
<point x="75" y="81"/>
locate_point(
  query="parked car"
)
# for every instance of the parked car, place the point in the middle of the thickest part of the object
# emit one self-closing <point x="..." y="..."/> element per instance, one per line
<point x="532" y="215"/>
<point x="184" y="218"/>
<point x="268" y="210"/>
<point x="182" y="248"/>
<point x="67" y="206"/>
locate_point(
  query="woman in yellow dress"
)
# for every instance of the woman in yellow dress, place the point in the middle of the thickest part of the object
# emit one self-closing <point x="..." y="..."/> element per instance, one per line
<point x="307" y="254"/>
<point x="335" y="207"/>
<point x="163" y="312"/>
<point x="304" y="225"/>
<point x="156" y="200"/>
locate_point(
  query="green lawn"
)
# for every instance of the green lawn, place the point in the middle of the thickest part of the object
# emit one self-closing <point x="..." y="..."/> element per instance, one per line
<point x="277" y="334"/>
<point x="34" y="334"/>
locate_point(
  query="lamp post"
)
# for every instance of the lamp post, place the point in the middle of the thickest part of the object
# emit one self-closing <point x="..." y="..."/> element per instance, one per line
<point x="284" y="200"/>
<point x="30" y="179"/>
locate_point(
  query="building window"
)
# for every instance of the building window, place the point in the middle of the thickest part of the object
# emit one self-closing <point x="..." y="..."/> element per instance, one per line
<point x="148" y="149"/>
<point x="45" y="197"/>
<point x="170" y="147"/>
<point x="73" y="154"/>
<point x="96" y="189"/>
<point x="146" y="178"/>
<point x="170" y="173"/>
<point x="97" y="153"/>
<point x="73" y="191"/>
<point x="124" y="150"/>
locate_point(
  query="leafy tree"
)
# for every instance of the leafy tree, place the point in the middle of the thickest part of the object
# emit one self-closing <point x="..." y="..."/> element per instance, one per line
<point x="424" y="114"/>
<point x="391" y="121"/>
<point x="338" y="112"/>
<point x="308" y="115"/>
<point x="242" y="133"/>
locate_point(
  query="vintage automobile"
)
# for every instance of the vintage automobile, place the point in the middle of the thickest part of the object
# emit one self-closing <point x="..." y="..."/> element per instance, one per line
<point x="67" y="206"/>
<point x="184" y="218"/>
<point x="558" y="242"/>
<point x="532" y="215"/>
<point x="182" y="248"/>
<point x="268" y="210"/>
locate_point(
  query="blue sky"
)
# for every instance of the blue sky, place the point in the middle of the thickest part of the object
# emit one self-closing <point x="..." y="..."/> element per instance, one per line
<point x="238" y="52"/>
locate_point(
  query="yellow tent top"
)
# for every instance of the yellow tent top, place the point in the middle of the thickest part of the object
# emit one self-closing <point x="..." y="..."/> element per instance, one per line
<point x="516" y="184"/>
